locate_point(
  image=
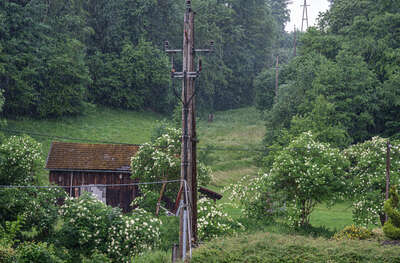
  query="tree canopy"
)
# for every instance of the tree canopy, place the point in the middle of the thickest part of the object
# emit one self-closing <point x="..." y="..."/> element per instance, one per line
<point x="343" y="85"/>
<point x="58" y="56"/>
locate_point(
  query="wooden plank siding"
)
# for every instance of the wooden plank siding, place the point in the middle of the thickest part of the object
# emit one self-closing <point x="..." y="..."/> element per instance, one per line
<point x="116" y="196"/>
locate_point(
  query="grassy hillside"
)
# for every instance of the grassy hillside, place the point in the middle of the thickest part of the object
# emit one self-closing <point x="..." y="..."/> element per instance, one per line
<point x="226" y="145"/>
<point x="242" y="128"/>
<point x="99" y="124"/>
<point x="234" y="129"/>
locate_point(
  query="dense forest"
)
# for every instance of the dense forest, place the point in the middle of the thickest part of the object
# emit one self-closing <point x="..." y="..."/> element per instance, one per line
<point x="344" y="83"/>
<point x="58" y="57"/>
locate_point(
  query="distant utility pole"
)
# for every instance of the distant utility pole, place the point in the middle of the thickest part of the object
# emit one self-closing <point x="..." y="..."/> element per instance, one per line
<point x="276" y="78"/>
<point x="189" y="140"/>
<point x="388" y="146"/>
<point x="295" y="41"/>
<point x="305" y="15"/>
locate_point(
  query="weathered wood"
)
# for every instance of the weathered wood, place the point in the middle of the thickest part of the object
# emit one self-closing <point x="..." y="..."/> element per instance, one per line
<point x="116" y="196"/>
<point x="188" y="171"/>
<point x="276" y="78"/>
<point x="160" y="198"/>
<point x="210" y="194"/>
<point x="387" y="174"/>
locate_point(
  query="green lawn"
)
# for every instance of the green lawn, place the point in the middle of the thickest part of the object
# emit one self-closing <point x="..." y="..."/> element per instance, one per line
<point x="237" y="129"/>
<point x="333" y="218"/>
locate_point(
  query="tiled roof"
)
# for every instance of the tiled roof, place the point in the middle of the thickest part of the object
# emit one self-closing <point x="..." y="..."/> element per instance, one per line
<point x="83" y="156"/>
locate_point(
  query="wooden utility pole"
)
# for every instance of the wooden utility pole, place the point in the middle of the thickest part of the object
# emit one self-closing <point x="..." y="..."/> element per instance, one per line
<point x="387" y="174"/>
<point x="295" y="42"/>
<point x="305" y="15"/>
<point x="188" y="171"/>
<point x="188" y="213"/>
<point x="276" y="78"/>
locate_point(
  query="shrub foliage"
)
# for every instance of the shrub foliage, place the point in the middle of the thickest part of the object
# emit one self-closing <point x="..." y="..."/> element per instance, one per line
<point x="392" y="209"/>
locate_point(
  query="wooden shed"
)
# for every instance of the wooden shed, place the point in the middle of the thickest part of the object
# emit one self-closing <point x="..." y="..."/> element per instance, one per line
<point x="92" y="165"/>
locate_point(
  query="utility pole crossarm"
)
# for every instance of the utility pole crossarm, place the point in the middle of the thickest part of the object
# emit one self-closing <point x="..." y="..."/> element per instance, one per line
<point x="173" y="51"/>
<point x="180" y="75"/>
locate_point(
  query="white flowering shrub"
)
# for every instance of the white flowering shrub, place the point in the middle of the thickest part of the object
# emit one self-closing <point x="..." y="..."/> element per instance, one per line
<point x="161" y="161"/>
<point x="213" y="221"/>
<point x="204" y="174"/>
<point x="41" y="209"/>
<point x="86" y="223"/>
<point x="254" y="196"/>
<point x="368" y="174"/>
<point x="132" y="235"/>
<point x="20" y="158"/>
<point x="305" y="173"/>
<point x="157" y="162"/>
<point x="90" y="225"/>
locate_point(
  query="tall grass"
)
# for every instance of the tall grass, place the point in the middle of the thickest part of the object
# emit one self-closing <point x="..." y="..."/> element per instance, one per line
<point x="268" y="247"/>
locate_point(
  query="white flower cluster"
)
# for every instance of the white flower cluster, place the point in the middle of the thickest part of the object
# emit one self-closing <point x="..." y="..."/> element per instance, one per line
<point x="133" y="235"/>
<point x="213" y="221"/>
<point x="100" y="227"/>
<point x="368" y="173"/>
<point x="22" y="156"/>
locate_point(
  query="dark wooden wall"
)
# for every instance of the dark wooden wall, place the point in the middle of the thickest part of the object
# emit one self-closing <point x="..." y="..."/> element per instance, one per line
<point x="116" y="196"/>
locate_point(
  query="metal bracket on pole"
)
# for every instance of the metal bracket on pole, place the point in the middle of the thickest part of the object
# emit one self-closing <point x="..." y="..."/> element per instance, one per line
<point x="188" y="74"/>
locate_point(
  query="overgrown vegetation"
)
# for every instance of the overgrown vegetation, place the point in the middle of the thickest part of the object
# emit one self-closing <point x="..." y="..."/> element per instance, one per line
<point x="325" y="131"/>
<point x="391" y="207"/>
<point x="268" y="247"/>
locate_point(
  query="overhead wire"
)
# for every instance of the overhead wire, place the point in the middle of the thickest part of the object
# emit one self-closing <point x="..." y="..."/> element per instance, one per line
<point x="49" y="136"/>
<point x="85" y="186"/>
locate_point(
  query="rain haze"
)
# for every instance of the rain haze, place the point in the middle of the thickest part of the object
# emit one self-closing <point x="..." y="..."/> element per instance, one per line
<point x="296" y="12"/>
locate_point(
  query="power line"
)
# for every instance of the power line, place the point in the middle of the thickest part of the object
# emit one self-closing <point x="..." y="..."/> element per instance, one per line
<point x="64" y="138"/>
<point x="85" y="186"/>
<point x="49" y="136"/>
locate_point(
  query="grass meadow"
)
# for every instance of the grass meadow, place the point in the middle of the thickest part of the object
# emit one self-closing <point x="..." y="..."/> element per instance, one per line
<point x="235" y="134"/>
<point x="227" y="146"/>
<point x="98" y="124"/>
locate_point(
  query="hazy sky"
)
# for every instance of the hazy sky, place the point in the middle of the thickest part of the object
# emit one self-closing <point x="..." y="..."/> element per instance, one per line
<point x="296" y="12"/>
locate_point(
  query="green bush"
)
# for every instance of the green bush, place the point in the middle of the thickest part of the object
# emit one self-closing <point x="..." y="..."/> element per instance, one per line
<point x="154" y="257"/>
<point x="353" y="232"/>
<point x="89" y="227"/>
<point x="367" y="173"/>
<point x="8" y="233"/>
<point x="161" y="161"/>
<point x="37" y="207"/>
<point x="30" y="252"/>
<point x="169" y="232"/>
<point x="20" y="158"/>
<point x="133" y="234"/>
<point x="86" y="224"/>
<point x="305" y="173"/>
<point x="96" y="257"/>
<point x="7" y="254"/>
<point x="391" y="207"/>
<point x="254" y="196"/>
<point x="213" y="221"/>
<point x="273" y="248"/>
